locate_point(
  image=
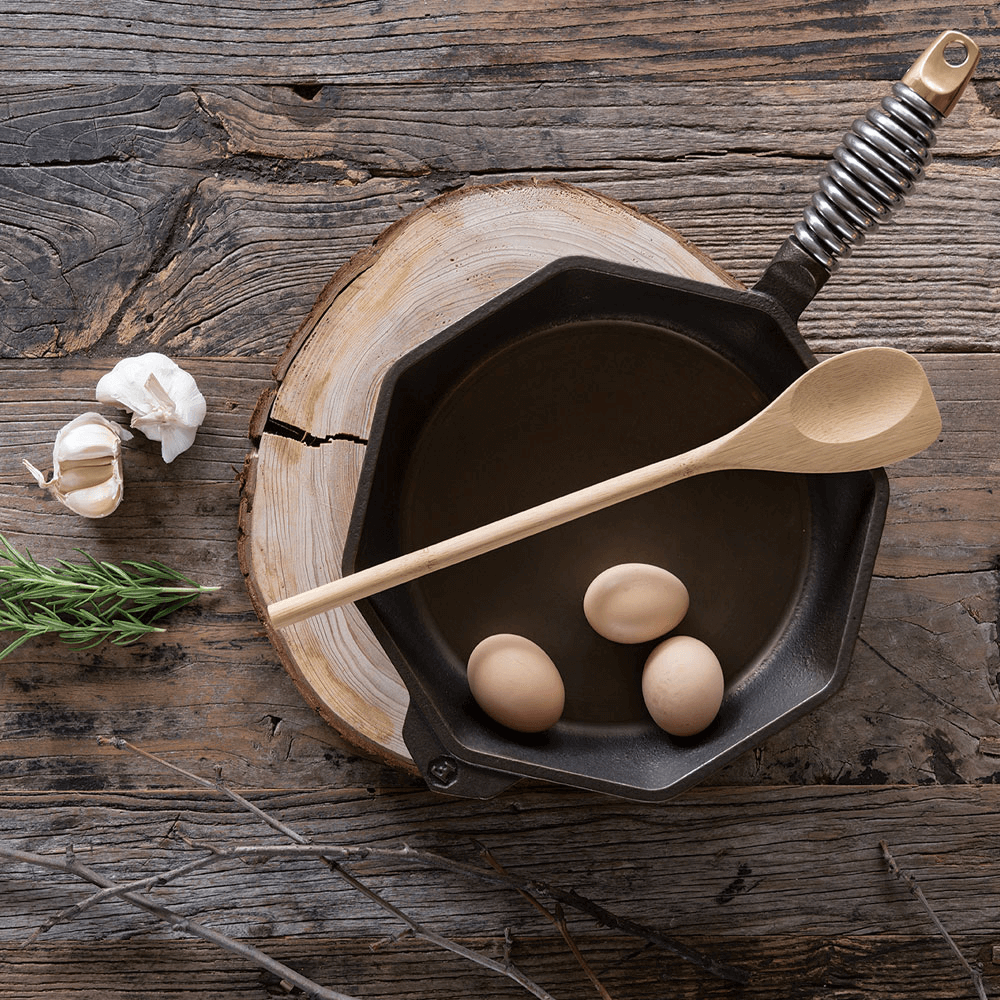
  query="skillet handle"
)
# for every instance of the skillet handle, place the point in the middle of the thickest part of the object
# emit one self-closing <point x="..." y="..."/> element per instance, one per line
<point x="871" y="172"/>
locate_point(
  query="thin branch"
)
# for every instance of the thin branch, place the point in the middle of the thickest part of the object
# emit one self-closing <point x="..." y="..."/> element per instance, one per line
<point x="606" y="918"/>
<point x="910" y="882"/>
<point x="216" y="854"/>
<point x="559" y="920"/>
<point x="182" y="923"/>
<point x="574" y="900"/>
<point x="218" y="785"/>
<point x="505" y="968"/>
<point x="418" y="930"/>
<point x="430" y="859"/>
<point x="115" y="890"/>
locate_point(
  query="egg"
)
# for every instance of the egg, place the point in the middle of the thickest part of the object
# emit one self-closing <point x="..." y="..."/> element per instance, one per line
<point x="515" y="682"/>
<point x="682" y="685"/>
<point x="635" y="602"/>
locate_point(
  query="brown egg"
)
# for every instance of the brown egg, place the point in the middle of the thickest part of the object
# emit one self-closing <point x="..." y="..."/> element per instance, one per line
<point x="682" y="685"/>
<point x="516" y="683"/>
<point x="635" y="602"/>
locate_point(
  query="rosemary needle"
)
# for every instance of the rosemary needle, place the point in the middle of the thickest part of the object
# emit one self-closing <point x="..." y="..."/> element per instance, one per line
<point x="86" y="603"/>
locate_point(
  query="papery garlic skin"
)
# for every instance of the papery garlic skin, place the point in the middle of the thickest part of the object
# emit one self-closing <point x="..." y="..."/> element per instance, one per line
<point x="163" y="398"/>
<point x="86" y="466"/>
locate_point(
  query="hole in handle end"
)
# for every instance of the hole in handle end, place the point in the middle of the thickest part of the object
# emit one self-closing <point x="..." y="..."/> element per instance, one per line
<point x="939" y="81"/>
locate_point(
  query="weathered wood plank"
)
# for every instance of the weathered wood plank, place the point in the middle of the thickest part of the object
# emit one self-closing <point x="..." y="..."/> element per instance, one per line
<point x="860" y="967"/>
<point x="83" y="123"/>
<point x="513" y="39"/>
<point x="177" y="217"/>
<point x="920" y="697"/>
<point x="224" y="701"/>
<point x="888" y="966"/>
<point x="78" y="239"/>
<point x="918" y="703"/>
<point x="571" y="124"/>
<point x="407" y="130"/>
<point x="719" y="862"/>
<point x="198" y="265"/>
<point x="233" y="264"/>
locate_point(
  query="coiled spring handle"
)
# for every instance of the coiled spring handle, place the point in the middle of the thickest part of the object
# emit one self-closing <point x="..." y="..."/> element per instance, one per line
<point x="885" y="153"/>
<point x="875" y="167"/>
<point x="871" y="172"/>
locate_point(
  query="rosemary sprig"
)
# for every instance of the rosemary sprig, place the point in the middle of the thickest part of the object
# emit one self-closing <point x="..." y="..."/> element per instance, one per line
<point x="84" y="604"/>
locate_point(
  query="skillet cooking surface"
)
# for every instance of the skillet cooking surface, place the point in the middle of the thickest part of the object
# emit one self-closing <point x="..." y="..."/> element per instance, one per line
<point x="583" y="371"/>
<point x="561" y="409"/>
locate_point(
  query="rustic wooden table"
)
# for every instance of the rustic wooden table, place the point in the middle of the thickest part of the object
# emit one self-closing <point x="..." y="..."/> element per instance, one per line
<point x="186" y="178"/>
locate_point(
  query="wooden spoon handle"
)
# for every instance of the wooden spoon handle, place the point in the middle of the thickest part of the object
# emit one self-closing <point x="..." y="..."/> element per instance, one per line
<point x="491" y="536"/>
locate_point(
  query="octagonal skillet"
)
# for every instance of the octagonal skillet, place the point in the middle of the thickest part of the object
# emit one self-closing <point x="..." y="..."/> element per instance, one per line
<point x="584" y="371"/>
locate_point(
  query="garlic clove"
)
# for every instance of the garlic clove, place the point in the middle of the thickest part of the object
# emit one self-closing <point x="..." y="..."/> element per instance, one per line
<point x="86" y="439"/>
<point x="83" y="475"/>
<point x="164" y="400"/>
<point x="86" y="466"/>
<point x="95" y="501"/>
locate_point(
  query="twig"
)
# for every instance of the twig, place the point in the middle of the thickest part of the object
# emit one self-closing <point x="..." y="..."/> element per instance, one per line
<point x="574" y="900"/>
<point x="332" y="853"/>
<point x="182" y="923"/>
<point x="218" y="785"/>
<point x="910" y="882"/>
<point x="417" y="929"/>
<point x="430" y="859"/>
<point x="115" y="890"/>
<point x="570" y="898"/>
<point x="559" y="920"/>
<point x="625" y="925"/>
<point x="217" y="854"/>
<point x="505" y="968"/>
<point x="508" y="944"/>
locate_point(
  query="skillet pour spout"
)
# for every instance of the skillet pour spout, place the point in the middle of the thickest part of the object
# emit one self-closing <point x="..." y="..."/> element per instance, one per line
<point x="872" y="170"/>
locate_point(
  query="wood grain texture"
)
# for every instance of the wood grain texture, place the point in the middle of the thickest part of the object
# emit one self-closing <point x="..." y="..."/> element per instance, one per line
<point x="187" y="177"/>
<point x="169" y="212"/>
<point x="787" y="884"/>
<point x="912" y="285"/>
<point x="860" y="967"/>
<point x="213" y="685"/>
<point x="399" y="43"/>
<point x="816" y="849"/>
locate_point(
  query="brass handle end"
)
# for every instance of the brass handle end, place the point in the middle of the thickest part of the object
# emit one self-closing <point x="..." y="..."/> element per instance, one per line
<point x="939" y="82"/>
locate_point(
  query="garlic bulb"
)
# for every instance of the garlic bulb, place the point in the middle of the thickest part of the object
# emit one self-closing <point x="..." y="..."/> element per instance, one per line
<point x="86" y="466"/>
<point x="163" y="398"/>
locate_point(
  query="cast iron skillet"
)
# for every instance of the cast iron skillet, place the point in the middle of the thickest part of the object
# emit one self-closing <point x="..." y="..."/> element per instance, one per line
<point x="586" y="370"/>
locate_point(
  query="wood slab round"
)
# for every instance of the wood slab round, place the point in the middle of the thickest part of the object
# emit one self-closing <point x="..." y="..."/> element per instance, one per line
<point x="309" y="432"/>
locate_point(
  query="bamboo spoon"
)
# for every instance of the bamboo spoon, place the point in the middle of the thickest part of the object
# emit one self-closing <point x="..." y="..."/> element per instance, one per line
<point x="859" y="410"/>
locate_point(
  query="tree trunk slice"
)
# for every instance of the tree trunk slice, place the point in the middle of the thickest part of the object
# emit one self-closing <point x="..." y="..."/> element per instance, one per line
<point x="424" y="273"/>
